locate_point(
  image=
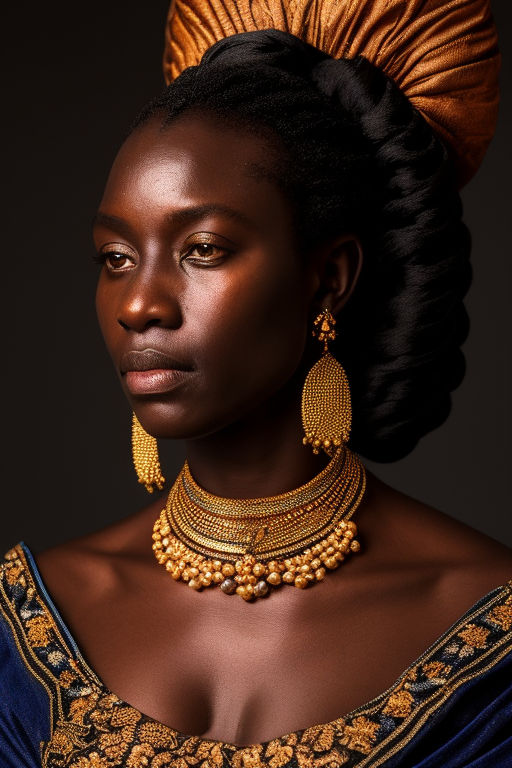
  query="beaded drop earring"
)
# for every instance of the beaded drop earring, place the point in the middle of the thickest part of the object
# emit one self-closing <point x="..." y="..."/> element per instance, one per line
<point x="326" y="404"/>
<point x="145" y="457"/>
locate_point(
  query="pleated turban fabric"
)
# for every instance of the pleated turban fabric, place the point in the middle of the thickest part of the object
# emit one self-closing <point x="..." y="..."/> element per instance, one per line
<point x="443" y="54"/>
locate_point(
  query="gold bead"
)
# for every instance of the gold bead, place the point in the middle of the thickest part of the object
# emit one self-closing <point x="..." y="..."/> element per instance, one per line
<point x="259" y="569"/>
<point x="228" y="569"/>
<point x="261" y="589"/>
<point x="331" y="562"/>
<point x="194" y="584"/>
<point x="320" y="574"/>
<point x="301" y="582"/>
<point x="288" y="577"/>
<point x="218" y="577"/>
<point x="355" y="546"/>
<point x="274" y="578"/>
<point x="228" y="586"/>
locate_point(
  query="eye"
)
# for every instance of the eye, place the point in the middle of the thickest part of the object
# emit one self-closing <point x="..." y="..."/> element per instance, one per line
<point x="204" y="254"/>
<point x="115" y="261"/>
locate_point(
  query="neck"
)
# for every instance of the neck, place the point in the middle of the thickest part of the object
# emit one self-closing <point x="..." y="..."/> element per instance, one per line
<point x="261" y="455"/>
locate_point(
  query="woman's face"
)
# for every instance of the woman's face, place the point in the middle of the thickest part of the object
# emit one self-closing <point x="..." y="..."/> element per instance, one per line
<point x="203" y="300"/>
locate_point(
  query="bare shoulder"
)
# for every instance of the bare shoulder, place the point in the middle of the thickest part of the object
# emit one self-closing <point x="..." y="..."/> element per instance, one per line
<point x="422" y="537"/>
<point x="97" y="560"/>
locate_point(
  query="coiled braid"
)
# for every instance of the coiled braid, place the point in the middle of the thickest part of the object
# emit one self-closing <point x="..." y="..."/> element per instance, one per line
<point x="355" y="156"/>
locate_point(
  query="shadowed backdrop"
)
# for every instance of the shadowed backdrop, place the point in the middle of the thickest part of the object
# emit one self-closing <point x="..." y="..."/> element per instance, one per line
<point x="73" y="79"/>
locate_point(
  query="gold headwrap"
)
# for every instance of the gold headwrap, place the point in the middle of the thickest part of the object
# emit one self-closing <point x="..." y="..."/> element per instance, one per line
<point x="442" y="54"/>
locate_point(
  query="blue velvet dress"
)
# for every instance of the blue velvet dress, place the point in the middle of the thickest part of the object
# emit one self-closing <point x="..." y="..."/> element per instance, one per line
<point x="452" y="708"/>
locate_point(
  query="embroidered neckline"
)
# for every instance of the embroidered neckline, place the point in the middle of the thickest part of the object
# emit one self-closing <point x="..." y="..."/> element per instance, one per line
<point x="87" y="716"/>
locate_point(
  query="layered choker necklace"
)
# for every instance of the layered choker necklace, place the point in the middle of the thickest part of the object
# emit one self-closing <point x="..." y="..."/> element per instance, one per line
<point x="250" y="547"/>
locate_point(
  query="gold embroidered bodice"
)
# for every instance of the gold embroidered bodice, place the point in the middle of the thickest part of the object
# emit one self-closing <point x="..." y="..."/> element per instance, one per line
<point x="91" y="727"/>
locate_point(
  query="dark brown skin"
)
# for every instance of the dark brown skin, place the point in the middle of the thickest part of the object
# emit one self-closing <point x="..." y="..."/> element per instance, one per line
<point x="204" y="663"/>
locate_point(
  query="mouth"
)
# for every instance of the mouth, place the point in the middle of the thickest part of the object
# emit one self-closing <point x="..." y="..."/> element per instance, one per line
<point x="149" y="372"/>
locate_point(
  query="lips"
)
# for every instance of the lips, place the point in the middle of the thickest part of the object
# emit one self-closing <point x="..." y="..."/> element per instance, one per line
<point x="149" y="360"/>
<point x="149" y="372"/>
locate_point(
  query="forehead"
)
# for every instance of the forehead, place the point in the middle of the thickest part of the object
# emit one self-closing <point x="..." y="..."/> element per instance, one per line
<point x="193" y="160"/>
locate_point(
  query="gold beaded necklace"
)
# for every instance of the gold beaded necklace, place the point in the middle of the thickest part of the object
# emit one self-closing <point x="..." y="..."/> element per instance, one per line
<point x="251" y="546"/>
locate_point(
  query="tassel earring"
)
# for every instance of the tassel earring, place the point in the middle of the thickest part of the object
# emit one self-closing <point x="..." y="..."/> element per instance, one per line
<point x="326" y="405"/>
<point x="145" y="457"/>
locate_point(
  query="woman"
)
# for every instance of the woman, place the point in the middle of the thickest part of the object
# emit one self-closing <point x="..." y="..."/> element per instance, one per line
<point x="268" y="191"/>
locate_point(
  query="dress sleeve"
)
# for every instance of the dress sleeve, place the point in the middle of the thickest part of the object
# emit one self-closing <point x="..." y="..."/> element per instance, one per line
<point x="24" y="703"/>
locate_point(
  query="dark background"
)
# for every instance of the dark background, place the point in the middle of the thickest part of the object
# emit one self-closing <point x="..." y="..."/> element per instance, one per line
<point x="73" y="78"/>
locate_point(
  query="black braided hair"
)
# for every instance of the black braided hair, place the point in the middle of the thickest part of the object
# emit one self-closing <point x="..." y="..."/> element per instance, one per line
<point x="357" y="157"/>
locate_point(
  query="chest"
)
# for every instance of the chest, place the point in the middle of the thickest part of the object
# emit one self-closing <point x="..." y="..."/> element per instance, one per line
<point x="214" y="666"/>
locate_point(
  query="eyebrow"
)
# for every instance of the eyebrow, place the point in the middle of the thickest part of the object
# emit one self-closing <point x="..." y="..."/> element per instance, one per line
<point x="182" y="216"/>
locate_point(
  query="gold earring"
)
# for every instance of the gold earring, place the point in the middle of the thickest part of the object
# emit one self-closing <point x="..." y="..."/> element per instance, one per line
<point x="326" y="405"/>
<point x="145" y="457"/>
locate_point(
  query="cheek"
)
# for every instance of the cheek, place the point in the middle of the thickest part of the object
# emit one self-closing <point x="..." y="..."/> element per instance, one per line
<point x="101" y="306"/>
<point x="106" y="315"/>
<point x="250" y="332"/>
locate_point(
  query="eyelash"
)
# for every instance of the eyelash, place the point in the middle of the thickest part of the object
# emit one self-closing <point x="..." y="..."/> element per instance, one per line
<point x="101" y="257"/>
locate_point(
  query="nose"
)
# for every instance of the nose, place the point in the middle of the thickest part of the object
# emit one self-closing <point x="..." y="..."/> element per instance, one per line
<point x="149" y="302"/>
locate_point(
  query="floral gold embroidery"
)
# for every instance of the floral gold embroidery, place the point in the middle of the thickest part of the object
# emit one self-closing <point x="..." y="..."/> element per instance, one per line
<point x="248" y="757"/>
<point x="475" y="637"/>
<point x="436" y="669"/>
<point x="360" y="735"/>
<point x="80" y="707"/>
<point x="399" y="704"/>
<point x="319" y="737"/>
<point x="139" y="756"/>
<point x="39" y="631"/>
<point x="94" y="760"/>
<point x="279" y="754"/>
<point x="163" y="760"/>
<point x="13" y="574"/>
<point x="502" y="616"/>
<point x="158" y="735"/>
<point x="68" y="737"/>
<point x="66" y="678"/>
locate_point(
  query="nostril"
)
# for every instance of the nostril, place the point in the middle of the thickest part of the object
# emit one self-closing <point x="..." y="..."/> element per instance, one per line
<point x="139" y="326"/>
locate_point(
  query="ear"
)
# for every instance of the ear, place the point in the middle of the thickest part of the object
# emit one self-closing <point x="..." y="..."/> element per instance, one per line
<point x="339" y="264"/>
